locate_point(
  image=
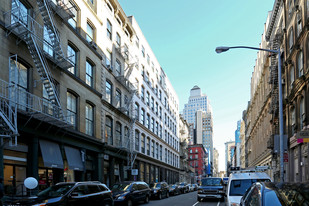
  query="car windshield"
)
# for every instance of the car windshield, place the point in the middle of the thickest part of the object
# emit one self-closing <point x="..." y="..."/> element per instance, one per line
<point x="121" y="187"/>
<point x="55" y="191"/>
<point x="211" y="182"/>
<point x="172" y="186"/>
<point x="239" y="187"/>
<point x="156" y="185"/>
<point x="182" y="184"/>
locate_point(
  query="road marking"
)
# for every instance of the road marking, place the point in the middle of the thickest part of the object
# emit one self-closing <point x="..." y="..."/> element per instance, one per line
<point x="218" y="203"/>
<point x="195" y="203"/>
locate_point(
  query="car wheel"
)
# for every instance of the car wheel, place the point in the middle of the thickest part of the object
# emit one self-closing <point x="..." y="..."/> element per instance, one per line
<point x="199" y="199"/>
<point x="159" y="196"/>
<point x="167" y="194"/>
<point x="129" y="203"/>
<point x="146" y="199"/>
<point x="107" y="204"/>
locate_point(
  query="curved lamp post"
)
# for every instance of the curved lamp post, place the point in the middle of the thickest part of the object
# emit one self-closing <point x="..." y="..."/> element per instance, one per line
<point x="224" y="49"/>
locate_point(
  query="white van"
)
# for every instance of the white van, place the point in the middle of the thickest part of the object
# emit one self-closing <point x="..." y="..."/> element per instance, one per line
<point x="239" y="183"/>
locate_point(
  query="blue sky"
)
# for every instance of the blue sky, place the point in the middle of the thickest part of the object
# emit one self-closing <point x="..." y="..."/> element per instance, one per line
<point x="183" y="34"/>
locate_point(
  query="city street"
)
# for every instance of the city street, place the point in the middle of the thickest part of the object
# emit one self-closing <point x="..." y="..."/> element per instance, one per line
<point x="189" y="199"/>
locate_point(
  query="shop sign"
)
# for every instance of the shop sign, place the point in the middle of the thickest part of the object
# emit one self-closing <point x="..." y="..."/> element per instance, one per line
<point x="285" y="157"/>
<point x="302" y="136"/>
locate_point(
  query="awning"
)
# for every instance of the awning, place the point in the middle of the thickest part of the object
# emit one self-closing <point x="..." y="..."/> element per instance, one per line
<point x="51" y="154"/>
<point x="74" y="158"/>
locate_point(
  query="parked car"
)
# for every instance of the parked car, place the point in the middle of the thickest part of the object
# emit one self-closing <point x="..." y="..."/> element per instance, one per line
<point x="211" y="187"/>
<point x="276" y="194"/>
<point x="225" y="180"/>
<point x="159" y="190"/>
<point x="130" y="192"/>
<point x="183" y="186"/>
<point x="174" y="189"/>
<point x="239" y="183"/>
<point x="71" y="194"/>
<point x="191" y="187"/>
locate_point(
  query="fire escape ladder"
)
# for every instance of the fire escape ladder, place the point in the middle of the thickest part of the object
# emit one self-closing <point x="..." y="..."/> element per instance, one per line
<point x="47" y="15"/>
<point x="8" y="122"/>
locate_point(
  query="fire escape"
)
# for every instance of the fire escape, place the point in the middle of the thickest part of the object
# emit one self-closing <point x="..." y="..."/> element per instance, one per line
<point x="129" y="105"/>
<point x="28" y="30"/>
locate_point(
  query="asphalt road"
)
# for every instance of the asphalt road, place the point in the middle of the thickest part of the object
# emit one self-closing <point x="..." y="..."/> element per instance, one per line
<point x="188" y="199"/>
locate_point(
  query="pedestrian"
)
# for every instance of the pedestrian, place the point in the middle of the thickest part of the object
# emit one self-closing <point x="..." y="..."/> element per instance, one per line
<point x="1" y="191"/>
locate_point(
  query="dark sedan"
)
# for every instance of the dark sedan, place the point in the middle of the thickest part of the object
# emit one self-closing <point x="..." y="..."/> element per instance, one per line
<point x="159" y="190"/>
<point x="276" y="194"/>
<point x="174" y="190"/>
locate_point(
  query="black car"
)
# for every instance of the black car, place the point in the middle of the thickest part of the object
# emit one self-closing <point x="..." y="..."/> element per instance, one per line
<point x="183" y="186"/>
<point x="211" y="187"/>
<point x="159" y="190"/>
<point x="71" y="194"/>
<point x="129" y="192"/>
<point x="276" y="194"/>
<point x="174" y="189"/>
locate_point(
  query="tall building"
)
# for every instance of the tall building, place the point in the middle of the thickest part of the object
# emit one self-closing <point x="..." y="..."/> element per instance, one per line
<point x="198" y="160"/>
<point x="204" y="132"/>
<point x="237" y="143"/>
<point x="242" y="145"/>
<point x="197" y="101"/>
<point x="216" y="163"/>
<point x="229" y="153"/>
<point x="82" y="97"/>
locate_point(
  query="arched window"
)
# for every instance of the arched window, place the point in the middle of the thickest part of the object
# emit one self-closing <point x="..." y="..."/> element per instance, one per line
<point x="109" y="130"/>
<point x="302" y="113"/>
<point x="300" y="64"/>
<point x="90" y="31"/>
<point x="118" y="98"/>
<point x="293" y="119"/>
<point x="72" y="108"/>
<point x="142" y="116"/>
<point x="118" y="67"/>
<point x="143" y="141"/>
<point x="148" y="146"/>
<point x="291" y="39"/>
<point x="136" y="111"/>
<point x="299" y="25"/>
<point x="72" y="57"/>
<point x="292" y="77"/>
<point x="89" y="73"/>
<point x="118" y="135"/>
<point x="137" y="140"/>
<point x="89" y="119"/>
<point x="109" y="29"/>
<point x="108" y="91"/>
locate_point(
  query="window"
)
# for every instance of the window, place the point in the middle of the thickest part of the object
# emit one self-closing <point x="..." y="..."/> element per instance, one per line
<point x="109" y="29"/>
<point x="165" y="152"/>
<point x="152" y="103"/>
<point x="142" y="116"/>
<point x="161" y="152"/>
<point x="142" y="93"/>
<point x="157" y="128"/>
<point x="299" y="26"/>
<point x="89" y="120"/>
<point x="108" y="60"/>
<point x="157" y="108"/>
<point x="118" y="134"/>
<point x="302" y="114"/>
<point x="160" y="132"/>
<point x="152" y="124"/>
<point x="148" y="146"/>
<point x="48" y="43"/>
<point x="148" y="59"/>
<point x="136" y="140"/>
<point x="118" y="68"/>
<point x="293" y="119"/>
<point x="90" y="32"/>
<point x="148" y="121"/>
<point x="89" y="74"/>
<point x="291" y="77"/>
<point x="108" y="91"/>
<point x="118" y="98"/>
<point x="300" y="64"/>
<point x="291" y="39"/>
<point x="143" y="51"/>
<point x="157" y="150"/>
<point x="109" y="130"/>
<point x="136" y="110"/>
<point x="71" y="108"/>
<point x="152" y="148"/>
<point x="160" y="112"/>
<point x="143" y="143"/>
<point x="72" y="57"/>
<point x="73" y="21"/>
<point x="290" y="9"/>
<point x="147" y="98"/>
<point x="160" y="94"/>
<point x="118" y="40"/>
<point x="22" y="82"/>
<point x="137" y="42"/>
<point x="19" y="13"/>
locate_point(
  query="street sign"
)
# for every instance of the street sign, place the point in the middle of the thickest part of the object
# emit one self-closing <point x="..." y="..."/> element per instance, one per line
<point x="134" y="172"/>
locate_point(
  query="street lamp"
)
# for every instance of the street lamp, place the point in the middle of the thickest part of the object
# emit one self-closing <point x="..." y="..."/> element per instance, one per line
<point x="224" y="49"/>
